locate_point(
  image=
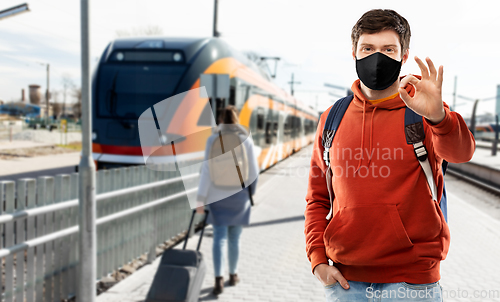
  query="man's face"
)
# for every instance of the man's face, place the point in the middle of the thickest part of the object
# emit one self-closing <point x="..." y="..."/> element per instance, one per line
<point x="386" y="42"/>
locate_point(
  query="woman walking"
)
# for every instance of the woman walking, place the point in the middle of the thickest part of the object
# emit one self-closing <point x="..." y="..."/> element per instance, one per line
<point x="229" y="209"/>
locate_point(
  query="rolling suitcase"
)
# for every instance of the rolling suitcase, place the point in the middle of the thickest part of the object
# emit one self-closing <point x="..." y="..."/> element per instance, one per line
<point x="180" y="274"/>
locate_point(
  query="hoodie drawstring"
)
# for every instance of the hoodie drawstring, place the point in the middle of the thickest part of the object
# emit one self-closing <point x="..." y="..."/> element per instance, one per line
<point x="371" y="138"/>
<point x="362" y="137"/>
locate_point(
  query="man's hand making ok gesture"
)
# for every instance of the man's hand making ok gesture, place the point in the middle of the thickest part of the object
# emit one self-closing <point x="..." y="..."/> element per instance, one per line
<point x="427" y="100"/>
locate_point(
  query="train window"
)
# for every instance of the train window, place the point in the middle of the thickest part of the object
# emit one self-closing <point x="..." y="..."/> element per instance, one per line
<point x="127" y="90"/>
<point x="288" y="127"/>
<point x="232" y="96"/>
<point x="232" y="92"/>
<point x="275" y="132"/>
<point x="268" y="132"/>
<point x="260" y="120"/>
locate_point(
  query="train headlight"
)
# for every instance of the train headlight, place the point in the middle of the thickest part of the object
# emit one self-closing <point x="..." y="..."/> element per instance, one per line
<point x="94" y="136"/>
<point x="177" y="57"/>
<point x="119" y="56"/>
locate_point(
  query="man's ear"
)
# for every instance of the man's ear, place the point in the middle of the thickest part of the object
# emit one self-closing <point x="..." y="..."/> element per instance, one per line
<point x="406" y="55"/>
<point x="353" y="53"/>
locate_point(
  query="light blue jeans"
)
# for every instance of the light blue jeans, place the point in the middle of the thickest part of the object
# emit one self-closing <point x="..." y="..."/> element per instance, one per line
<point x="384" y="292"/>
<point x="223" y="235"/>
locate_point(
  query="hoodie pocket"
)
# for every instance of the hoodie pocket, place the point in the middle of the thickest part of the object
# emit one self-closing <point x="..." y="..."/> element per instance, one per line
<point x="369" y="235"/>
<point x="444" y="236"/>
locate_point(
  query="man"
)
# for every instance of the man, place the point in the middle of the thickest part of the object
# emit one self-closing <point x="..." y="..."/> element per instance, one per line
<point x="384" y="232"/>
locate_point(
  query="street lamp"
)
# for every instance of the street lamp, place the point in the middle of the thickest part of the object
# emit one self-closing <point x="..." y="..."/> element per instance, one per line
<point x="16" y="10"/>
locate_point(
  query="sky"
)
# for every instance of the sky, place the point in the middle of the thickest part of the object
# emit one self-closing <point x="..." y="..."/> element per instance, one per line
<point x="312" y="38"/>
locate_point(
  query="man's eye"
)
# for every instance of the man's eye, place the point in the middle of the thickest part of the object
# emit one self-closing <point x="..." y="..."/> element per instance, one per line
<point x="367" y="49"/>
<point x="390" y="50"/>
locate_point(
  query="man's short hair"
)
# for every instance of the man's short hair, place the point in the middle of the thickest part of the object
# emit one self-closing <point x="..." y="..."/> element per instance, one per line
<point x="377" y="20"/>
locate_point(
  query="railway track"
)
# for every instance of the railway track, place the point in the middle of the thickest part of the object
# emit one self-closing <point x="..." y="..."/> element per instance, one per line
<point x="485" y="185"/>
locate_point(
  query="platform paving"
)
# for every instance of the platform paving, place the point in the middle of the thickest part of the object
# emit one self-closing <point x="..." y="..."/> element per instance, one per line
<point x="483" y="157"/>
<point x="273" y="264"/>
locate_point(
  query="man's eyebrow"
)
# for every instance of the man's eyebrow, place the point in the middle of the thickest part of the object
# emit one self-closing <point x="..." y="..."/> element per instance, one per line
<point x="387" y="45"/>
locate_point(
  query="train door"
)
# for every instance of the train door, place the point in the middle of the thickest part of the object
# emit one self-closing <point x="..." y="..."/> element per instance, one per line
<point x="287" y="131"/>
<point x="274" y="120"/>
<point x="257" y="124"/>
<point x="269" y="128"/>
<point x="280" y="142"/>
<point x="281" y="123"/>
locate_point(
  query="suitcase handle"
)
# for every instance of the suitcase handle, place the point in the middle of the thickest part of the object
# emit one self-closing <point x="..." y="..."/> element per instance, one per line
<point x="189" y="229"/>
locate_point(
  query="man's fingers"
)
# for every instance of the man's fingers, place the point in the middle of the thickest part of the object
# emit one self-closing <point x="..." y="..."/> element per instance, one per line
<point x="338" y="276"/>
<point x="423" y="68"/>
<point x="405" y="96"/>
<point x="432" y="69"/>
<point x="408" y="79"/>
<point x="440" y="77"/>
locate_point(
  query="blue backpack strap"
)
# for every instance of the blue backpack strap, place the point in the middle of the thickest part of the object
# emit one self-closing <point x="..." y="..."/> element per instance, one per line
<point x="332" y="123"/>
<point x="415" y="135"/>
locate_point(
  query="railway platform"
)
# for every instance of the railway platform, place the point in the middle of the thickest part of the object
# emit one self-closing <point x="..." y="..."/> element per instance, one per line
<point x="482" y="156"/>
<point x="273" y="265"/>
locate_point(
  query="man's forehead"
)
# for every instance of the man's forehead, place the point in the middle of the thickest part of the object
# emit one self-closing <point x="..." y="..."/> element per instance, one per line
<point x="383" y="38"/>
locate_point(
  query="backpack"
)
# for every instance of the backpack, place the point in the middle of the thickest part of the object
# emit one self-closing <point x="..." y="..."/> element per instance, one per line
<point x="227" y="153"/>
<point x="415" y="135"/>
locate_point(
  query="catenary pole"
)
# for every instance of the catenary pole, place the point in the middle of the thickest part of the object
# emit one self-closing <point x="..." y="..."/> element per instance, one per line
<point x="86" y="291"/>
<point x="216" y="8"/>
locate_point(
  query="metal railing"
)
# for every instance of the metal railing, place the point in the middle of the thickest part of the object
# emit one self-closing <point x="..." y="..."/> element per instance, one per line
<point x="137" y="209"/>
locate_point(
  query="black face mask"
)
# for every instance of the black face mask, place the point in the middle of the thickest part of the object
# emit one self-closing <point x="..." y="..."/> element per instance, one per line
<point x="378" y="71"/>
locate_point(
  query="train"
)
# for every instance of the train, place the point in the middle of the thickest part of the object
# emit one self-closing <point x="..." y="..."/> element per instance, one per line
<point x="133" y="74"/>
<point x="486" y="132"/>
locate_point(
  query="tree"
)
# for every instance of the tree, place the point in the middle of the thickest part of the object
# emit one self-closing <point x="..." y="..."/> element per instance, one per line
<point x="57" y="109"/>
<point x="77" y="108"/>
<point x="150" y="30"/>
<point x="67" y="82"/>
<point x="56" y="106"/>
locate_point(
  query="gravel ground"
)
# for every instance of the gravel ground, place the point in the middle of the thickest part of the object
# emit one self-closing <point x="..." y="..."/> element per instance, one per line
<point x="10" y="154"/>
<point x="45" y="136"/>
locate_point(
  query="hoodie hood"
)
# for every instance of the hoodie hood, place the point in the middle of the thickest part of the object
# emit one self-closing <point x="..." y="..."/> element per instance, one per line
<point x="362" y="102"/>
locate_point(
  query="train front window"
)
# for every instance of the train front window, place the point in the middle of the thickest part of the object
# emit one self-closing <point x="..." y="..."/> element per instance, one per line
<point x="126" y="90"/>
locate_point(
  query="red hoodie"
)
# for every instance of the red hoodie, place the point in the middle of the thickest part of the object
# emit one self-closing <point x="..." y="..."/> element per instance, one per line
<point x="385" y="227"/>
